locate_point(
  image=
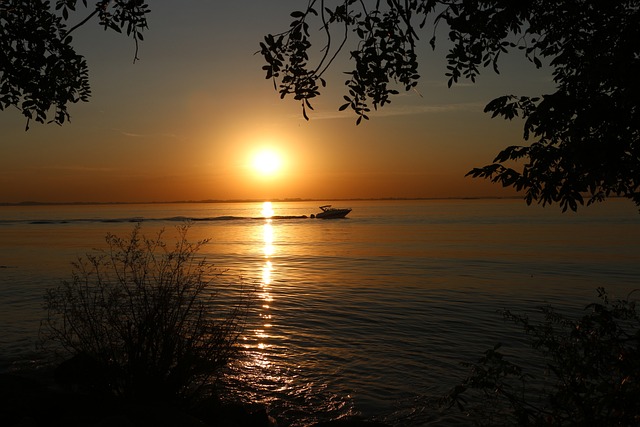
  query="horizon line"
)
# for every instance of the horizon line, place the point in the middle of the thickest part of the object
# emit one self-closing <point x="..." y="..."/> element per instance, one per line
<point x="295" y="199"/>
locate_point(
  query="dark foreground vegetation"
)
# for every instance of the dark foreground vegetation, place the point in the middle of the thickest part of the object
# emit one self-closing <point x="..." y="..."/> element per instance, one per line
<point x="143" y="320"/>
<point x="589" y="373"/>
<point x="141" y="335"/>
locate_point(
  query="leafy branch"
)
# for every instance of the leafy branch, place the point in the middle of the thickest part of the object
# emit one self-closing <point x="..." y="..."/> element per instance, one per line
<point x="39" y="68"/>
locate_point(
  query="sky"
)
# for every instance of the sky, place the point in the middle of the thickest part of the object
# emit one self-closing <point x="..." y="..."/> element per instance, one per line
<point x="188" y="119"/>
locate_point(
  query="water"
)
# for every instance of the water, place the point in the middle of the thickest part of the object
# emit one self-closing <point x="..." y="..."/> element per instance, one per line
<point x="364" y="315"/>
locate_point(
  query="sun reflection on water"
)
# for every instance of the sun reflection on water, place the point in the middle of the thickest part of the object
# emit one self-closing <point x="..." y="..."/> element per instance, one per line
<point x="267" y="210"/>
<point x="259" y="373"/>
<point x="267" y="374"/>
<point x="262" y="333"/>
<point x="268" y="248"/>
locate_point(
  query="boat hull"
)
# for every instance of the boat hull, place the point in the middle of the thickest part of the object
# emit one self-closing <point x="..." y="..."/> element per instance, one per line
<point x="333" y="213"/>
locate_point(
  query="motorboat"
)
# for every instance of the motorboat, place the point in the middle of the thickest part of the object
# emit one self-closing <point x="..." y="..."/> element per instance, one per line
<point x="329" y="212"/>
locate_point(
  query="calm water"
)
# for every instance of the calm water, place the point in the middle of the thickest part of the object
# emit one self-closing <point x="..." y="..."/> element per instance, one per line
<point x="357" y="316"/>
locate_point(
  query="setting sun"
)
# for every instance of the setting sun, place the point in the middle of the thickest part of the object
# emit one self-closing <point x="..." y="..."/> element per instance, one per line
<point x="267" y="162"/>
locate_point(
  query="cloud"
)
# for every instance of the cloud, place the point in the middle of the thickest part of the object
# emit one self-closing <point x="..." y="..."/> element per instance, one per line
<point x="147" y="135"/>
<point x="405" y="110"/>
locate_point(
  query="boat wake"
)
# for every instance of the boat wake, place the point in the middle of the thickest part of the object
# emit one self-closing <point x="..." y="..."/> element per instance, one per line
<point x="143" y="219"/>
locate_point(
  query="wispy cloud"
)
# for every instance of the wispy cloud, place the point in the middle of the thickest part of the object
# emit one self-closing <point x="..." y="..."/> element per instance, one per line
<point x="147" y="135"/>
<point x="405" y="110"/>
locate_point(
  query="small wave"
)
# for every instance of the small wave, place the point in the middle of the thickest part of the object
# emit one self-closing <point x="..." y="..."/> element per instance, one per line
<point x="218" y="218"/>
<point x="49" y="221"/>
<point x="136" y="219"/>
<point x="233" y="218"/>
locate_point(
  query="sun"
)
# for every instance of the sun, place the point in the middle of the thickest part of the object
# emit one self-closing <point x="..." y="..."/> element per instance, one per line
<point x="267" y="162"/>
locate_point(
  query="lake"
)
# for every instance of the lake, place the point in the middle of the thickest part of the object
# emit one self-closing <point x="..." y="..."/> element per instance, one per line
<point x="364" y="315"/>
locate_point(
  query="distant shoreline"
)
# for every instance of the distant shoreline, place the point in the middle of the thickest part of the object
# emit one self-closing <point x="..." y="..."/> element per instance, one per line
<point x="37" y="203"/>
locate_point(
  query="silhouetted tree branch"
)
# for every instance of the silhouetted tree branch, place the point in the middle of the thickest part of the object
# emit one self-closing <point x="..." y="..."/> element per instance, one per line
<point x="39" y="68"/>
<point x="584" y="136"/>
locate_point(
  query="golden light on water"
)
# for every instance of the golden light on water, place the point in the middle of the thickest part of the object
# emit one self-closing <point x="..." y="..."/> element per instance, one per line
<point x="259" y="342"/>
<point x="267" y="210"/>
<point x="268" y="248"/>
<point x="266" y="273"/>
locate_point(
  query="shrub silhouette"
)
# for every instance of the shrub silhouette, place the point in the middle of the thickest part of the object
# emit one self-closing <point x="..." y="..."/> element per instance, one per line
<point x="591" y="371"/>
<point x="146" y="319"/>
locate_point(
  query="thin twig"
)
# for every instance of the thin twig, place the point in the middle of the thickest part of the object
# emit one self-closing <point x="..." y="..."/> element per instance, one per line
<point x="81" y="23"/>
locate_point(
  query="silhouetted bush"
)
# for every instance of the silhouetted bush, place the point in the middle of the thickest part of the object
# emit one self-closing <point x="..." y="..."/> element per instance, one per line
<point x="591" y="373"/>
<point x="146" y="321"/>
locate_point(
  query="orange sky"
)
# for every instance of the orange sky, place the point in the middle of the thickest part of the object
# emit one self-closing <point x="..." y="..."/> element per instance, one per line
<point x="184" y="122"/>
